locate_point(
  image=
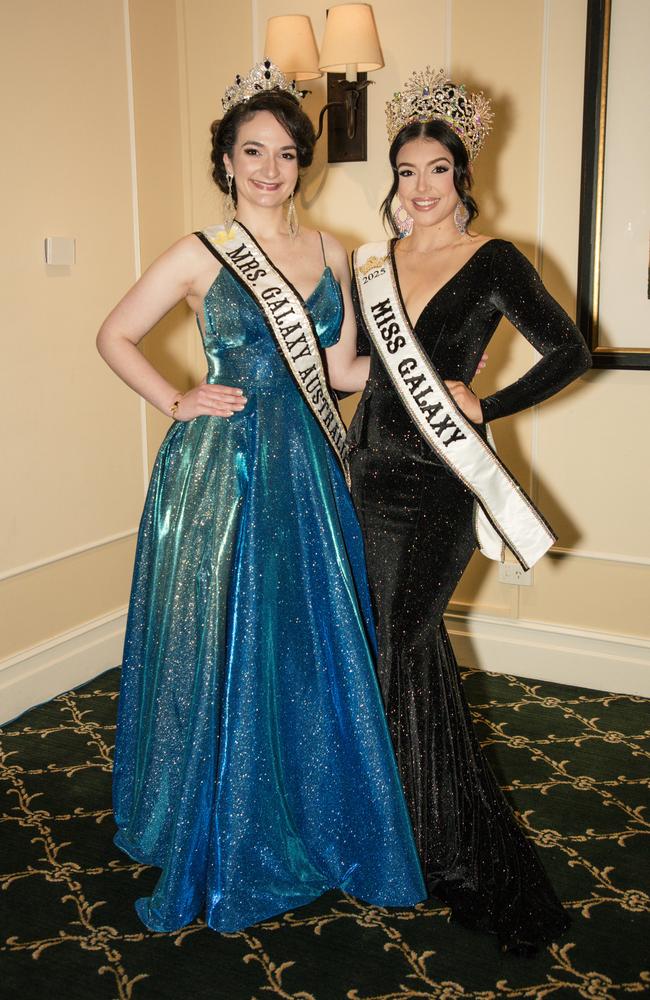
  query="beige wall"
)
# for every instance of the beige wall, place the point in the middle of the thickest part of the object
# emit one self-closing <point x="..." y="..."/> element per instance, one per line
<point x="184" y="57"/>
<point x="161" y="171"/>
<point x="109" y="114"/>
<point x="601" y="578"/>
<point x="75" y="439"/>
<point x="528" y="57"/>
<point x="71" y="437"/>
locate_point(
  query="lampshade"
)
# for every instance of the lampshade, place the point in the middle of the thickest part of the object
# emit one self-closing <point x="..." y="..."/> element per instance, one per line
<point x="291" y="45"/>
<point x="351" y="39"/>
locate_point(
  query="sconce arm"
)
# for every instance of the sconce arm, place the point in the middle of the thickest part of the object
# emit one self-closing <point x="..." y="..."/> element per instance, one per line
<point x="351" y="91"/>
<point x="321" y="117"/>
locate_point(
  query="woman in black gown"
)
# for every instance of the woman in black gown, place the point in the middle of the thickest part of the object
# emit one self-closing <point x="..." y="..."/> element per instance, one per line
<point x="417" y="516"/>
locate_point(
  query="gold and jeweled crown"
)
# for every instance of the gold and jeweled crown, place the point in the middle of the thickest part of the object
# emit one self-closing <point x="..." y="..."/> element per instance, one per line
<point x="431" y="96"/>
<point x="264" y="76"/>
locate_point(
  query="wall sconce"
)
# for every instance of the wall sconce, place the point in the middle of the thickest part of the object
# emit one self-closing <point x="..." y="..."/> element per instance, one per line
<point x="350" y="50"/>
<point x="291" y="45"/>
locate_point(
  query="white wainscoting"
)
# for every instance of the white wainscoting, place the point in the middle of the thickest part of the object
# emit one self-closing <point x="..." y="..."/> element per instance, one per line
<point x="505" y="646"/>
<point x="551" y="652"/>
<point x="37" y="674"/>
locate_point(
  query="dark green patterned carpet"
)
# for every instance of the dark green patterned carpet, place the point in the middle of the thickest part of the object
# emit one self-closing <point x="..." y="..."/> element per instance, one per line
<point x="573" y="761"/>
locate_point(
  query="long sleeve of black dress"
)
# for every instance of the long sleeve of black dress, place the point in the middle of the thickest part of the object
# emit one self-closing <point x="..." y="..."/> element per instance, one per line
<point x="456" y="325"/>
<point x="418" y="527"/>
<point x="518" y="294"/>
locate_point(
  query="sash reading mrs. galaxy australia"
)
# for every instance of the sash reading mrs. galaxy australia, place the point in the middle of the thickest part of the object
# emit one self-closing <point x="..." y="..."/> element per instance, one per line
<point x="288" y="321"/>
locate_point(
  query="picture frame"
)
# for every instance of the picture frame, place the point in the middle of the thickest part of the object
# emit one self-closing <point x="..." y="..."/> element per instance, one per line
<point x="595" y="228"/>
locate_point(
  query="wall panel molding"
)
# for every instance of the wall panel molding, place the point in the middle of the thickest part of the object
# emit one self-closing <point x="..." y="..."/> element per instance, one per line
<point x="257" y="33"/>
<point x="449" y="35"/>
<point x="615" y="557"/>
<point x="135" y="210"/>
<point x="67" y="554"/>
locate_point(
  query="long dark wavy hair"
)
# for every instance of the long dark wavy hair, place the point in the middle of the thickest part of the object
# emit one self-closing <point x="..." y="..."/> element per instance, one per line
<point x="462" y="175"/>
<point x="284" y="108"/>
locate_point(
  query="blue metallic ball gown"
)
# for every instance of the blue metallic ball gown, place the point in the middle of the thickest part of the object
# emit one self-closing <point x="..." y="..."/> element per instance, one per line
<point x="253" y="762"/>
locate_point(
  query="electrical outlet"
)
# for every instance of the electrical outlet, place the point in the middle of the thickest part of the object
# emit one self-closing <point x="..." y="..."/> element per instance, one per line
<point x="513" y="574"/>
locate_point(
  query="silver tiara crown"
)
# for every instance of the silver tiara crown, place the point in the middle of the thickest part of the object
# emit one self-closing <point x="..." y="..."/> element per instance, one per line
<point x="264" y="76"/>
<point x="431" y="96"/>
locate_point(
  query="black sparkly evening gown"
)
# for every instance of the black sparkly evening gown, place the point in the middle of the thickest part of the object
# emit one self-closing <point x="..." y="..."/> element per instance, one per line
<point x="416" y="518"/>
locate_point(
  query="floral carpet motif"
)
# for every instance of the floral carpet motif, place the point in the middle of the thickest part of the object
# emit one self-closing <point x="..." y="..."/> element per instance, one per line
<point x="573" y="762"/>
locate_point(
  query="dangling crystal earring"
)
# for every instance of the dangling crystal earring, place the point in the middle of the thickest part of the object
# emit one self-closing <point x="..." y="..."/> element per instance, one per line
<point x="461" y="218"/>
<point x="229" y="207"/>
<point x="403" y="221"/>
<point x="292" y="218"/>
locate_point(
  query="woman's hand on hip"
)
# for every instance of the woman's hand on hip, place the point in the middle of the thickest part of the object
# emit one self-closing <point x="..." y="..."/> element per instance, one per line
<point x="466" y="401"/>
<point x="206" y="400"/>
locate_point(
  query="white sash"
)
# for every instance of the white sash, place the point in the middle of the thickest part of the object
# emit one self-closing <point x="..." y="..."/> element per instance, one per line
<point x="288" y="321"/>
<point x="504" y="514"/>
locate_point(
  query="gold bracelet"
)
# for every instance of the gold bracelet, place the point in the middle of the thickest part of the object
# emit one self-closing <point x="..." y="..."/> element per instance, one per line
<point x="175" y="405"/>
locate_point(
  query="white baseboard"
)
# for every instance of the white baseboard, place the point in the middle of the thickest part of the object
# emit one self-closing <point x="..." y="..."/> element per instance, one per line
<point x="37" y="674"/>
<point x="506" y="646"/>
<point x="555" y="653"/>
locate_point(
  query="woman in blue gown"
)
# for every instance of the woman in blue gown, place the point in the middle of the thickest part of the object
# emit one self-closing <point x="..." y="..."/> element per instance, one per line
<point x="253" y="763"/>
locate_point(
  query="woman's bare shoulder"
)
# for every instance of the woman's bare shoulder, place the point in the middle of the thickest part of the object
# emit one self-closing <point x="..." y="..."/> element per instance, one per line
<point x="334" y="250"/>
<point x="186" y="264"/>
<point x="188" y="251"/>
<point x="192" y="251"/>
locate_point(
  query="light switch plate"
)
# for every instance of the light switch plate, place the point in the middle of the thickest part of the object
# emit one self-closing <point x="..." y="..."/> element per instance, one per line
<point x="59" y="250"/>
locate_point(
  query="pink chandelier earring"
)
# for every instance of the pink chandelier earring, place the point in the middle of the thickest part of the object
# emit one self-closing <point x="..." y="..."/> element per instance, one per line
<point x="403" y="221"/>
<point x="461" y="218"/>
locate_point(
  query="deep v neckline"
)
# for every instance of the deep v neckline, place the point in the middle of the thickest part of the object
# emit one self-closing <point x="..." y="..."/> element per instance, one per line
<point x="435" y="295"/>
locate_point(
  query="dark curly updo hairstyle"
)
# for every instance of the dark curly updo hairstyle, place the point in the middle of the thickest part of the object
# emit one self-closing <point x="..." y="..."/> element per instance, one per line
<point x="284" y="108"/>
<point x="462" y="175"/>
